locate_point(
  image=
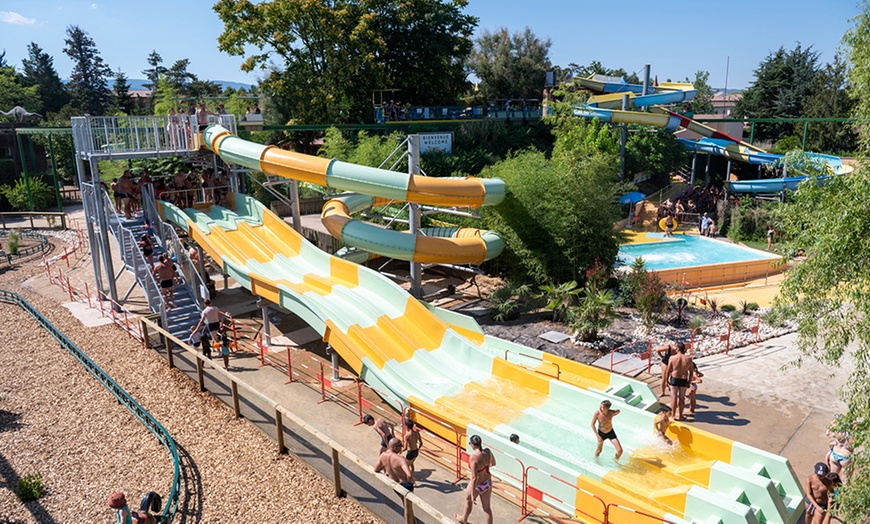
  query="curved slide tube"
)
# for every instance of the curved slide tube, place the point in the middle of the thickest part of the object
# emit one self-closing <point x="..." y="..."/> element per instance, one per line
<point x="376" y="187"/>
<point x="441" y="366"/>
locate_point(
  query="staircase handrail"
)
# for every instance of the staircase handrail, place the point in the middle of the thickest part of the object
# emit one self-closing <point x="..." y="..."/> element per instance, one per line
<point x="134" y="259"/>
<point x="169" y="237"/>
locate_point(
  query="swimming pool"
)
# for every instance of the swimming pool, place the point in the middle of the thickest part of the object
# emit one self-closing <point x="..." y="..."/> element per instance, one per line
<point x="684" y="251"/>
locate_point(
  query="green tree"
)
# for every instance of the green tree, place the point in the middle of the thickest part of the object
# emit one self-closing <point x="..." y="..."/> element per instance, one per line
<point x="179" y="76"/>
<point x="655" y="152"/>
<point x="597" y="68"/>
<point x="38" y="70"/>
<point x="510" y="65"/>
<point x="426" y="43"/>
<point x="557" y="218"/>
<point x="165" y="96"/>
<point x="89" y="79"/>
<point x="121" y="93"/>
<point x="828" y="294"/>
<point x="329" y="56"/>
<point x="702" y="104"/>
<point x="782" y="86"/>
<point x="153" y="74"/>
<point x="13" y="92"/>
<point x="829" y="97"/>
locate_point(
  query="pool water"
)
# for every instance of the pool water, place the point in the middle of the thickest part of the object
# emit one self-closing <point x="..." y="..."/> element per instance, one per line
<point x="687" y="251"/>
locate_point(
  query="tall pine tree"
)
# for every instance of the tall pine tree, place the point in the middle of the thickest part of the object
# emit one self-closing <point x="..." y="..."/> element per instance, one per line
<point x="38" y="70"/>
<point x="89" y="80"/>
<point x="122" y="93"/>
<point x="153" y="74"/>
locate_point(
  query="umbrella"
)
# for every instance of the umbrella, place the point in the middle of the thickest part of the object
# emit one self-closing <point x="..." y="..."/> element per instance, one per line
<point x="631" y="198"/>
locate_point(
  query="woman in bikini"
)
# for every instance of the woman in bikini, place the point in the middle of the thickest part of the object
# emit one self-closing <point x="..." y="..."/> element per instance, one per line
<point x="481" y="480"/>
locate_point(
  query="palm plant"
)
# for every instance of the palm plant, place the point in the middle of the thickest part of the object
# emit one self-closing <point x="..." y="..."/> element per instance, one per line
<point x="559" y="298"/>
<point x="595" y="312"/>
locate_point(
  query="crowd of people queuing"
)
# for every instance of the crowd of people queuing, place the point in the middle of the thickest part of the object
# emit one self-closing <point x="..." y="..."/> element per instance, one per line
<point x="693" y="201"/>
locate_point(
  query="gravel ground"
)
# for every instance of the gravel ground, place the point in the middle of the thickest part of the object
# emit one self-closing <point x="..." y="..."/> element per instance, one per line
<point x="55" y="419"/>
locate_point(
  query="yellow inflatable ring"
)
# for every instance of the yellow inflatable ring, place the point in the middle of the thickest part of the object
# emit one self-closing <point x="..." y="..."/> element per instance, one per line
<point x="662" y="224"/>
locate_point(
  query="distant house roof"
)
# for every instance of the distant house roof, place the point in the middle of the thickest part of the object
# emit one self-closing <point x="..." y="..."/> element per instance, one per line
<point x="732" y="96"/>
<point x="140" y="93"/>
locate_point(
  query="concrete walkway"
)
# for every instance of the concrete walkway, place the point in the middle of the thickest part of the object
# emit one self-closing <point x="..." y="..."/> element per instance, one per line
<point x="758" y="396"/>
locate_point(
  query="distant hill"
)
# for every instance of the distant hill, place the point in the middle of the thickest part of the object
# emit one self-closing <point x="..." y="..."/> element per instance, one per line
<point x="139" y="83"/>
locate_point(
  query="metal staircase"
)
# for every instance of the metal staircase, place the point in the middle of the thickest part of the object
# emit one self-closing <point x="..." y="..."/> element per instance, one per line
<point x="187" y="298"/>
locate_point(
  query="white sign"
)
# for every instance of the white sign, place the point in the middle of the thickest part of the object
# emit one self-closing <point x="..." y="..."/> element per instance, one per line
<point x="436" y="142"/>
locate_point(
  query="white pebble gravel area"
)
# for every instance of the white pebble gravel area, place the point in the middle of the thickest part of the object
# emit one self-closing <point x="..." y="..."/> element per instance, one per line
<point x="57" y="420"/>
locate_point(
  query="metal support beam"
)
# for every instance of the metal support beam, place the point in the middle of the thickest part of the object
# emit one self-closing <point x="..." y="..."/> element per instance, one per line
<point x="707" y="170"/>
<point x="623" y="138"/>
<point x="414" y="214"/>
<point x="694" y="167"/>
<point x="646" y="90"/>
<point x="103" y="222"/>
<point x="267" y="326"/>
<point x="295" y="209"/>
<point x="54" y="175"/>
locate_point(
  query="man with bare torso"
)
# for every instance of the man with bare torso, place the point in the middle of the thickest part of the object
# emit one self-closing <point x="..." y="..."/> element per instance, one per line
<point x="679" y="376"/>
<point x="127" y="190"/>
<point x="164" y="271"/>
<point x="202" y="115"/>
<point x="604" y="418"/>
<point x="413" y="442"/>
<point x="819" y="489"/>
<point x="383" y="428"/>
<point x="396" y="466"/>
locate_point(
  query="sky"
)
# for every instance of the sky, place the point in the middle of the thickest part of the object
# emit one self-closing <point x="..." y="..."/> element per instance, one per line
<point x="676" y="37"/>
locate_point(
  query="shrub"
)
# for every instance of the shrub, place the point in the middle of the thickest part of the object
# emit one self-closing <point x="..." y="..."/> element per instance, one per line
<point x="29" y="487"/>
<point x="559" y="298"/>
<point x="40" y="192"/>
<point x="14" y="240"/>
<point x="508" y="301"/>
<point x="747" y="307"/>
<point x="737" y="320"/>
<point x="696" y="323"/>
<point x="595" y="312"/>
<point x="648" y="293"/>
<point x="728" y="308"/>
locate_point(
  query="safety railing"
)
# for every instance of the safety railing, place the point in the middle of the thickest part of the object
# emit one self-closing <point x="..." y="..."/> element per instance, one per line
<point x="722" y="342"/>
<point x="118" y="392"/>
<point x="119" y="135"/>
<point x="22" y="252"/>
<point x="538" y="494"/>
<point x="134" y="259"/>
<point x="196" y="197"/>
<point x="51" y="219"/>
<point x="411" y="501"/>
<point x="558" y="374"/>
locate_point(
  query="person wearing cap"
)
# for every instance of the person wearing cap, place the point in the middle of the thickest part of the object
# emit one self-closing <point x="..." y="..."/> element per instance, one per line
<point x="818" y="488"/>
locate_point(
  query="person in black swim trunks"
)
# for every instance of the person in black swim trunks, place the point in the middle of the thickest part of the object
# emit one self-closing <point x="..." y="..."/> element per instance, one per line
<point x="383" y="428"/>
<point x="604" y="418"/>
<point x="413" y="442"/>
<point x="679" y="373"/>
<point x="395" y="466"/>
